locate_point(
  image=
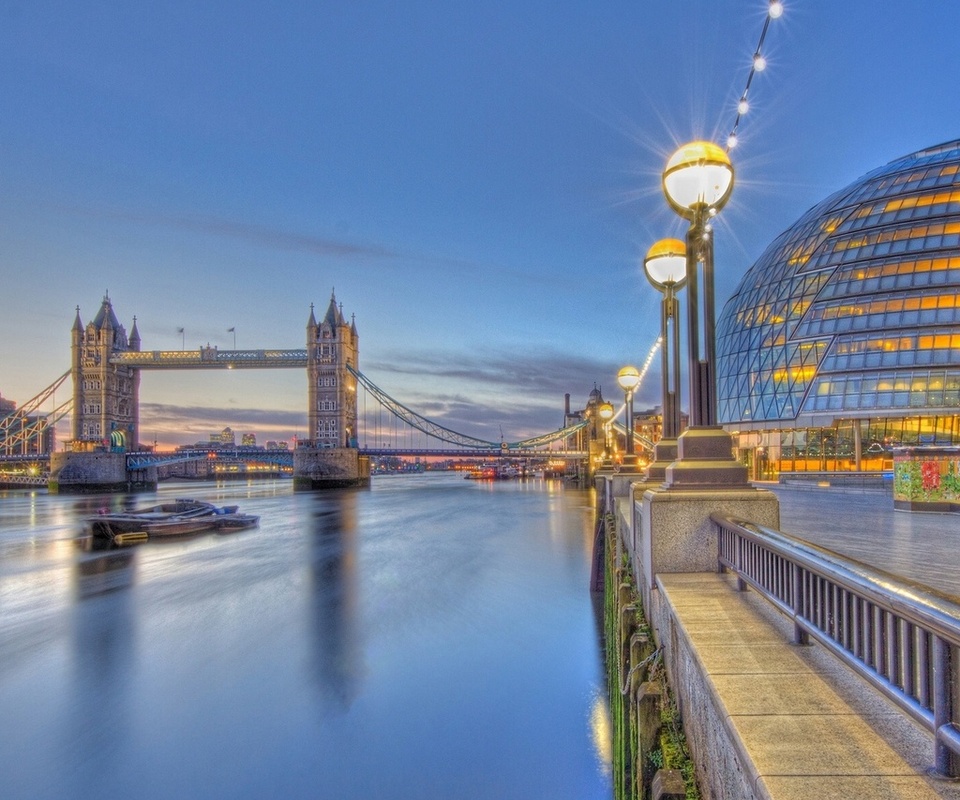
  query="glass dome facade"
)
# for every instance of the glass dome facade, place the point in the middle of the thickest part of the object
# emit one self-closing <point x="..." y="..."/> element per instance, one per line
<point x="854" y="311"/>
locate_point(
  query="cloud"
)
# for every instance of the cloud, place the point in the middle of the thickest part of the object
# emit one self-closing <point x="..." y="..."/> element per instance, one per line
<point x="520" y="392"/>
<point x="262" y="235"/>
<point x="524" y="372"/>
<point x="171" y="418"/>
<point x="296" y="241"/>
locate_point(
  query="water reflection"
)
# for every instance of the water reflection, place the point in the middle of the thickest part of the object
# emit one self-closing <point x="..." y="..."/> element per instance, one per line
<point x="105" y="568"/>
<point x="426" y="638"/>
<point x="333" y="597"/>
<point x="103" y="643"/>
<point x="601" y="729"/>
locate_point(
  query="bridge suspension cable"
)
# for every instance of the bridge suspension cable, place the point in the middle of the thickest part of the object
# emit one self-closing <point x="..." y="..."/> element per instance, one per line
<point x="27" y="423"/>
<point x="437" y="431"/>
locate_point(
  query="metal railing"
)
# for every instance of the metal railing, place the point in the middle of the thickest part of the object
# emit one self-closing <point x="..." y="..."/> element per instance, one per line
<point x="900" y="636"/>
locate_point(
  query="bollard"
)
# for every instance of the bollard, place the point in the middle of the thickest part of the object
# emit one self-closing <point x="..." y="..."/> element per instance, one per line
<point x="668" y="784"/>
<point x="649" y="699"/>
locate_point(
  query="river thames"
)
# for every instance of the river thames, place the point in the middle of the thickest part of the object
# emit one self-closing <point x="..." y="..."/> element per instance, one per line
<point x="428" y="637"/>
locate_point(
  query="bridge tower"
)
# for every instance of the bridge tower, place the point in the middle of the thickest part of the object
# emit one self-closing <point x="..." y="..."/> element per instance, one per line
<point x="329" y="457"/>
<point x="106" y="411"/>
<point x="332" y="345"/>
<point x="106" y="397"/>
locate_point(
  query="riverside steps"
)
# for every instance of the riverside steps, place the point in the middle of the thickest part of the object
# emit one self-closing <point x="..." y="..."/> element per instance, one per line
<point x="764" y="717"/>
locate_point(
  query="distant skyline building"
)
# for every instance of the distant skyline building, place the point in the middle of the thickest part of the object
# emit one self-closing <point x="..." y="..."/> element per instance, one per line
<point x="843" y="340"/>
<point x="226" y="437"/>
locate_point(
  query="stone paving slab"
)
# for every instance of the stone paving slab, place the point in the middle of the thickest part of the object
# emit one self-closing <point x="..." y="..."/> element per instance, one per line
<point x="804" y="725"/>
<point x="841" y="787"/>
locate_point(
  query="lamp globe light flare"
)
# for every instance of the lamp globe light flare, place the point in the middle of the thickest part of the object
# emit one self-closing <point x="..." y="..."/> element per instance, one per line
<point x="698" y="177"/>
<point x="666" y="264"/>
<point x="628" y="378"/>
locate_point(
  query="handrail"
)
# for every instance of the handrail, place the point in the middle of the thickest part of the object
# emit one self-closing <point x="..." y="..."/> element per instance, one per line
<point x="901" y="636"/>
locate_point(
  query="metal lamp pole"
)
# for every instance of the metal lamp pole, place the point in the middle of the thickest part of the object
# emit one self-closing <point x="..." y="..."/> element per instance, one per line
<point x="605" y="411"/>
<point x="629" y="378"/>
<point x="665" y="266"/>
<point x="666" y="269"/>
<point x="697" y="182"/>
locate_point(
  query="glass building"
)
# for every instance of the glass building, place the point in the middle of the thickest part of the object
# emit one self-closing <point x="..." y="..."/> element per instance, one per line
<point x="843" y="340"/>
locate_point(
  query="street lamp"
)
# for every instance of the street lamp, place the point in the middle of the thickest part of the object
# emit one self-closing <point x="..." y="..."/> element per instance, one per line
<point x="629" y="380"/>
<point x="665" y="266"/>
<point x="697" y="182"/>
<point x="666" y="269"/>
<point x="605" y="412"/>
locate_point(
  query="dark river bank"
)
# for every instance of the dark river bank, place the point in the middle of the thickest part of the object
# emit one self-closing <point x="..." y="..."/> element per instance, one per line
<point x="429" y="637"/>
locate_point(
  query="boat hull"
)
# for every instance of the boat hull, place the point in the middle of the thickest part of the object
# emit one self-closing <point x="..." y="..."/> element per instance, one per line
<point x="179" y="518"/>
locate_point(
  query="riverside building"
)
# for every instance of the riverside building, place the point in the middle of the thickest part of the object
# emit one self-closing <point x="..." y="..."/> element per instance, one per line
<point x="843" y="340"/>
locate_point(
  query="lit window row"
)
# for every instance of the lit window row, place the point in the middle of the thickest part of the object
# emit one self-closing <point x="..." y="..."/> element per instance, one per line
<point x="887" y="242"/>
<point x="880" y="314"/>
<point x="888" y="275"/>
<point x="894" y="390"/>
<point x="904" y="349"/>
<point x="792" y="300"/>
<point x="921" y="206"/>
<point x="925" y="173"/>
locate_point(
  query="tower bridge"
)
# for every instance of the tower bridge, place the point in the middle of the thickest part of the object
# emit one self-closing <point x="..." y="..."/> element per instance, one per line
<point x="104" y="452"/>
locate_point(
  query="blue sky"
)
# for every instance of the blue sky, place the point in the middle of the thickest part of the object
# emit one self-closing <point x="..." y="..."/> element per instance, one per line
<point x="479" y="182"/>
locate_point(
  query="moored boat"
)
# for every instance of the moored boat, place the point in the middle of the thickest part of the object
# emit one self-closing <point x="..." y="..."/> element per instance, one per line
<point x="181" y="517"/>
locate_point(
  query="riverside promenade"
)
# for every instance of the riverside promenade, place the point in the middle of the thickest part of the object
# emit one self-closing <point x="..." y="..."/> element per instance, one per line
<point x="862" y="524"/>
<point x="792" y="721"/>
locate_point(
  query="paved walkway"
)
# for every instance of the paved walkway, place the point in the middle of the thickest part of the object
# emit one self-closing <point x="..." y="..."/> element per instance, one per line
<point x="922" y="547"/>
<point x="804" y="727"/>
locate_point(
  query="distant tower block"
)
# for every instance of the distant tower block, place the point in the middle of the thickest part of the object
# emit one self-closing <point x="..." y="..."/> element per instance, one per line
<point x="106" y="397"/>
<point x="330" y="458"/>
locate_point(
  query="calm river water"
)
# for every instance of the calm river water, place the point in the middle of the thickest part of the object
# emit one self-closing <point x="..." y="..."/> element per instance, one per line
<point x="429" y="637"/>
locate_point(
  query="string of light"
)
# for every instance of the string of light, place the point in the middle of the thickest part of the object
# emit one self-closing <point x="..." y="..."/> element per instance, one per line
<point x="759" y="64"/>
<point x="643" y="372"/>
<point x="649" y="361"/>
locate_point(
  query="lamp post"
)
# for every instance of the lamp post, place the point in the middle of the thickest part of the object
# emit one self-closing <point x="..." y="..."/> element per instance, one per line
<point x="629" y="379"/>
<point x="605" y="412"/>
<point x="697" y="182"/>
<point x="666" y="268"/>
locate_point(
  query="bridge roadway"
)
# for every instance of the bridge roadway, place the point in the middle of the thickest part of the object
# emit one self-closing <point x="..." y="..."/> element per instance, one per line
<point x="144" y="460"/>
<point x="801" y="723"/>
<point x="471" y="453"/>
